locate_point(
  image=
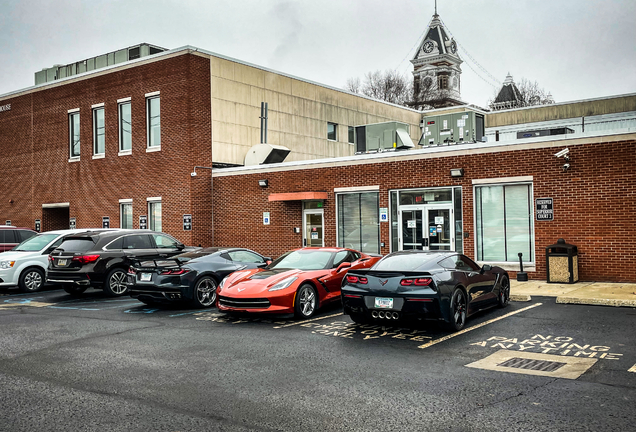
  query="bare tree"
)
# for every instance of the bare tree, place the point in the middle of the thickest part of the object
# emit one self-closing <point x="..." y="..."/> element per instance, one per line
<point x="528" y="93"/>
<point x="389" y="86"/>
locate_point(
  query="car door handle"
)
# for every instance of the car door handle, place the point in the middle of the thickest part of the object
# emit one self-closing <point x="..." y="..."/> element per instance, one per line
<point x="163" y="255"/>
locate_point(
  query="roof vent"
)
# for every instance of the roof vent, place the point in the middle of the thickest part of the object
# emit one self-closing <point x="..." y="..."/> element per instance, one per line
<point x="266" y="154"/>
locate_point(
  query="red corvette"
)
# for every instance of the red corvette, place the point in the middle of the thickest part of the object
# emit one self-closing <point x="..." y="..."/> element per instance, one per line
<point x="298" y="282"/>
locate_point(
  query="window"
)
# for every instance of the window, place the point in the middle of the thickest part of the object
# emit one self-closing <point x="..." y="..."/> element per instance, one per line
<point x="165" y="242"/>
<point x="442" y="81"/>
<point x="154" y="212"/>
<point x="153" y="113"/>
<point x="332" y="133"/>
<point x="352" y="135"/>
<point x="245" y="256"/>
<point x="74" y="134"/>
<point x="358" y="221"/>
<point x="125" y="127"/>
<point x="125" y="215"/>
<point x="504" y="223"/>
<point x="99" y="138"/>
<point x="137" y="241"/>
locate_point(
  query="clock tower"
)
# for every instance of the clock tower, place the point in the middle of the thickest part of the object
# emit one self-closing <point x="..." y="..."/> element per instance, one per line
<point x="437" y="71"/>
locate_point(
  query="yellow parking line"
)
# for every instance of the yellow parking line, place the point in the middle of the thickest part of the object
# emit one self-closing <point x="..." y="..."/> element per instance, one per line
<point x="632" y="369"/>
<point x="466" y="330"/>
<point x="306" y="321"/>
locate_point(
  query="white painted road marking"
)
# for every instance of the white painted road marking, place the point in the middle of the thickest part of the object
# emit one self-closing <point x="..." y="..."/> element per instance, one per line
<point x="632" y="369"/>
<point x="466" y="330"/>
<point x="306" y="321"/>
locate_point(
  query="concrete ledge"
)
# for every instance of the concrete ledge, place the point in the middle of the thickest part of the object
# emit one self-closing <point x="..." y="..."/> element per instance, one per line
<point x="597" y="301"/>
<point x="520" y="298"/>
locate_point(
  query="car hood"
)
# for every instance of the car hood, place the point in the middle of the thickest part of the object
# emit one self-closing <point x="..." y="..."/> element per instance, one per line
<point x="246" y="283"/>
<point x="15" y="256"/>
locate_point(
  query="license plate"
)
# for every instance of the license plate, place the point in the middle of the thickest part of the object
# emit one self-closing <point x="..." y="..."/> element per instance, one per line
<point x="383" y="302"/>
<point x="145" y="277"/>
<point x="61" y="262"/>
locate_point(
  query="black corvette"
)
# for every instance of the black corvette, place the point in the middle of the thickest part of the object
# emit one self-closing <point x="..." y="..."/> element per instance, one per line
<point x="435" y="285"/>
<point x="191" y="277"/>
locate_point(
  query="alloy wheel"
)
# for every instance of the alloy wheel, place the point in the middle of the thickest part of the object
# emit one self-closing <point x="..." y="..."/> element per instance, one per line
<point x="206" y="292"/>
<point x="33" y="281"/>
<point x="459" y="309"/>
<point x="116" y="282"/>
<point x="307" y="300"/>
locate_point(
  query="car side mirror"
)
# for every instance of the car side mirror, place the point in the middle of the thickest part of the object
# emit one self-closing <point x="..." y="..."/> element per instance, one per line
<point x="342" y="266"/>
<point x="485" y="268"/>
<point x="262" y="265"/>
<point x="268" y="260"/>
<point x="180" y="246"/>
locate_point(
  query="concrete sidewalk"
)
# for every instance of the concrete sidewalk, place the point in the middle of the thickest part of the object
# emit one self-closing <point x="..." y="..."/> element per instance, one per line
<point x="590" y="293"/>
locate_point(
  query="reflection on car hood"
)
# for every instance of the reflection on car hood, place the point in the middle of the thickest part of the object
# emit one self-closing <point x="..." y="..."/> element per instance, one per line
<point x="14" y="256"/>
<point x="265" y="274"/>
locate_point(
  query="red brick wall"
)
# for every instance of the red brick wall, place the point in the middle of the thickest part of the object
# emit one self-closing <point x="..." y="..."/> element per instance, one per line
<point x="594" y="201"/>
<point x="34" y="147"/>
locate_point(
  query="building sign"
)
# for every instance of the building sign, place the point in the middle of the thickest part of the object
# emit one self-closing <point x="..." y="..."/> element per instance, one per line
<point x="8" y="223"/>
<point x="544" y="209"/>
<point x="384" y="214"/>
<point x="106" y="222"/>
<point x="187" y="222"/>
<point x="38" y="224"/>
<point x="6" y="107"/>
<point x="143" y="222"/>
<point x="72" y="223"/>
<point x="265" y="218"/>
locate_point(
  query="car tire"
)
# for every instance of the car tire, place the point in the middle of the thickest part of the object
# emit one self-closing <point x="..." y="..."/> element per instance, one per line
<point x="359" y="318"/>
<point x="204" y="292"/>
<point x="458" y="308"/>
<point x="31" y="280"/>
<point x="114" y="283"/>
<point x="306" y="302"/>
<point x="504" y="292"/>
<point x="74" y="290"/>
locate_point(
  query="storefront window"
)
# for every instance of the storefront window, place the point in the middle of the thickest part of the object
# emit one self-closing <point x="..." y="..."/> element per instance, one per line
<point x="424" y="196"/>
<point x="504" y="223"/>
<point x="358" y="221"/>
<point x="459" y="228"/>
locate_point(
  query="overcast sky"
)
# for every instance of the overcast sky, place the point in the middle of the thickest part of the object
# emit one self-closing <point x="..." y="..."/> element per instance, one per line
<point x="575" y="49"/>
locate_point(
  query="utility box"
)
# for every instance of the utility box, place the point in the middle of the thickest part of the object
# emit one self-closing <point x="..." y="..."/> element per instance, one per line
<point x="562" y="263"/>
<point x="381" y="137"/>
<point x="454" y="128"/>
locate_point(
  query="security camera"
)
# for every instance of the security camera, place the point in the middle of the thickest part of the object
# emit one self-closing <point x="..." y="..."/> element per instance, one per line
<point x="193" y="174"/>
<point x="566" y="166"/>
<point x="563" y="152"/>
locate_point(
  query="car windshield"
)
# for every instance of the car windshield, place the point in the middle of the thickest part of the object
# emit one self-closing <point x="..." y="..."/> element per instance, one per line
<point x="303" y="260"/>
<point x="35" y="244"/>
<point x="199" y="253"/>
<point x="403" y="262"/>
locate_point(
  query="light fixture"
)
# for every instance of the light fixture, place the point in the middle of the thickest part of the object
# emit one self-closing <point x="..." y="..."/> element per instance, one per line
<point x="194" y="171"/>
<point x="263" y="183"/>
<point x="457" y="172"/>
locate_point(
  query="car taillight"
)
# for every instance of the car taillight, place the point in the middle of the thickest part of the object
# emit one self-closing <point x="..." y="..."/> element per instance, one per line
<point x="416" y="282"/>
<point x="174" y="272"/>
<point x="131" y="271"/>
<point x="85" y="259"/>
<point x="353" y="296"/>
<point x="357" y="279"/>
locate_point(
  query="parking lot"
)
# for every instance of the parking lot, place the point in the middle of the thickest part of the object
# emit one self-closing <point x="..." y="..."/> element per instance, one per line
<point x="103" y="363"/>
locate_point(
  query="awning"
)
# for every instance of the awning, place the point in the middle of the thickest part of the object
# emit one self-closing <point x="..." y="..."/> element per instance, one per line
<point x="298" y="196"/>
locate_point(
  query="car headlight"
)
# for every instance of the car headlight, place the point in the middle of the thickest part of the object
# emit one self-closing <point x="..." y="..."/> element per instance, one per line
<point x="284" y="283"/>
<point x="222" y="283"/>
<point x="6" y="264"/>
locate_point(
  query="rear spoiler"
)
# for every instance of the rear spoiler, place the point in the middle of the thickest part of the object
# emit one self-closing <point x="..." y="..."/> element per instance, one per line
<point x="387" y="273"/>
<point x="138" y="263"/>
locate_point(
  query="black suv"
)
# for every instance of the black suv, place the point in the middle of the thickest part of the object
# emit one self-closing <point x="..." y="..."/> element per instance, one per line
<point x="101" y="259"/>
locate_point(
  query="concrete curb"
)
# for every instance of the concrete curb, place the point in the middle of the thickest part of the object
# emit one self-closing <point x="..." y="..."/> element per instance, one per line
<point x="597" y="301"/>
<point x="520" y="298"/>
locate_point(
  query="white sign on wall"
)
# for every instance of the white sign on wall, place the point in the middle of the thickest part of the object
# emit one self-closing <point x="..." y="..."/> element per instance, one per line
<point x="384" y="214"/>
<point x="265" y="218"/>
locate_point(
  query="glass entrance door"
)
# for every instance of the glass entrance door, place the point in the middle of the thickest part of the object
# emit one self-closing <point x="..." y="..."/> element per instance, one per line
<point x="411" y="233"/>
<point x="313" y="228"/>
<point x="426" y="228"/>
<point x="439" y="229"/>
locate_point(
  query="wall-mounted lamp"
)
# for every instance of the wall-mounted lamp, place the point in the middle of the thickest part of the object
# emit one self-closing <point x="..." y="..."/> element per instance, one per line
<point x="263" y="183"/>
<point x="457" y="172"/>
<point x="194" y="172"/>
<point x="565" y="154"/>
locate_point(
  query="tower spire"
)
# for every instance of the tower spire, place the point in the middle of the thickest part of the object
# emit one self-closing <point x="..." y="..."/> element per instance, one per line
<point x="435" y="7"/>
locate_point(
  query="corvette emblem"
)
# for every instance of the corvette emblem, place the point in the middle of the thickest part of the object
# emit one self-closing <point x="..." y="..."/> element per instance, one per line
<point x="383" y="282"/>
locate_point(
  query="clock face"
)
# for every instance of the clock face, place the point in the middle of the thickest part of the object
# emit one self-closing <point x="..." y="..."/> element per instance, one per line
<point x="428" y="46"/>
<point x="453" y="47"/>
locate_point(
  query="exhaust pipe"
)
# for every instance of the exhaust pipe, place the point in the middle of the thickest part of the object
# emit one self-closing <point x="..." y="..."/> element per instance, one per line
<point x="374" y="314"/>
<point x="395" y="315"/>
<point x="381" y="314"/>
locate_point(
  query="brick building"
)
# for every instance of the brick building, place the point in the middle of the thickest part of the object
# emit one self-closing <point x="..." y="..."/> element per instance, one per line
<point x="120" y="142"/>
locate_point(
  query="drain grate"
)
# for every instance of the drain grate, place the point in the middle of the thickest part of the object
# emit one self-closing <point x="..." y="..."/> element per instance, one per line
<point x="529" y="364"/>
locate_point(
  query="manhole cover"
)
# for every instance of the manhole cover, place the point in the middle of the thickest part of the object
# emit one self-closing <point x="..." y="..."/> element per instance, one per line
<point x="530" y="364"/>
